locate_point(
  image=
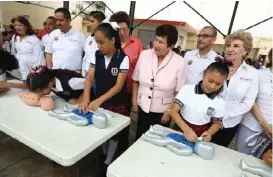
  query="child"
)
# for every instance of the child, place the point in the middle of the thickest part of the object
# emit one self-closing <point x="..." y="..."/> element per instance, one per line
<point x="109" y="69"/>
<point x="6" y="41"/>
<point x="66" y="84"/>
<point x="7" y="63"/>
<point x="90" y="47"/>
<point x="196" y="105"/>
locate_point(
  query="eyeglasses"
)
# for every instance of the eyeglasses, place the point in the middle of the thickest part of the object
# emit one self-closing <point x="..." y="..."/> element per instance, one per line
<point x="204" y="36"/>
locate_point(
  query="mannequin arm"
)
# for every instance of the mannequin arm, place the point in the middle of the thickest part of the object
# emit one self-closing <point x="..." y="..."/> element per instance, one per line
<point x="30" y="98"/>
<point x="5" y="84"/>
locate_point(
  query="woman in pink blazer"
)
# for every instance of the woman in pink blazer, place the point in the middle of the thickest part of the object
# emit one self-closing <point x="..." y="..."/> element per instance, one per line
<point x="159" y="74"/>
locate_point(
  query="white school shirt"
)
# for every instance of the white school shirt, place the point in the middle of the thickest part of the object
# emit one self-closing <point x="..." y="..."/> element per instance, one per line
<point x="198" y="108"/>
<point x="124" y="66"/>
<point x="66" y="49"/>
<point x="44" y="41"/>
<point x="240" y="94"/>
<point x="264" y="100"/>
<point x="7" y="46"/>
<point x="90" y="49"/>
<point x="75" y="83"/>
<point x="28" y="52"/>
<point x="197" y="64"/>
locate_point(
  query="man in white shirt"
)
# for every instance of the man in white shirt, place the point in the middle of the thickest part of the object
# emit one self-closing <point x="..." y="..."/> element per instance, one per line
<point x="65" y="46"/>
<point x="50" y="25"/>
<point x="198" y="60"/>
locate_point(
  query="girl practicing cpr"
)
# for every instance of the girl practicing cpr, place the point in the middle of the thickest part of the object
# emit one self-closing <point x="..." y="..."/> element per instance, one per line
<point x="64" y="83"/>
<point x="109" y="69"/>
<point x="196" y="105"/>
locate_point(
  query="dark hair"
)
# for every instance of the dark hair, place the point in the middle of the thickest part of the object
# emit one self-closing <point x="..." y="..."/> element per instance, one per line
<point x="11" y="27"/>
<point x="5" y="33"/>
<point x="39" y="79"/>
<point x="213" y="30"/>
<point x="12" y="20"/>
<point x="97" y="15"/>
<point x="7" y="61"/>
<point x="168" y="31"/>
<point x="109" y="32"/>
<point x="176" y="50"/>
<point x="120" y="17"/>
<point x="249" y="61"/>
<point x="222" y="68"/>
<point x="51" y="18"/>
<point x="26" y="23"/>
<point x="42" y="76"/>
<point x="65" y="12"/>
<point x="270" y="59"/>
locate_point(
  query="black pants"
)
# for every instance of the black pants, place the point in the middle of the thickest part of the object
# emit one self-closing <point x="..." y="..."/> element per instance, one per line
<point x="145" y="120"/>
<point x="224" y="137"/>
<point x="130" y="102"/>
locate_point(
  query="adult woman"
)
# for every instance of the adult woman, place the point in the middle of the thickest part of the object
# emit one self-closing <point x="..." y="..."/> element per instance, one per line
<point x="257" y="123"/>
<point x="26" y="47"/>
<point x="241" y="88"/>
<point x="159" y="74"/>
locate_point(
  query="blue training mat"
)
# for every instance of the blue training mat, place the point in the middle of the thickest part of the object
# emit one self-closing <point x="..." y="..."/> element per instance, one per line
<point x="87" y="116"/>
<point x="181" y="139"/>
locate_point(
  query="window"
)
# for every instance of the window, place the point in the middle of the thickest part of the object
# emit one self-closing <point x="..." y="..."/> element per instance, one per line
<point x="146" y="36"/>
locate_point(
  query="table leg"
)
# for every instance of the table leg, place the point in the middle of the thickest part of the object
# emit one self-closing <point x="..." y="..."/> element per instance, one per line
<point x="78" y="168"/>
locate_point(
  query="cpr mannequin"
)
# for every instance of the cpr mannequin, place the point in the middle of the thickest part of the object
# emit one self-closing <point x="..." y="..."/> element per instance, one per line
<point x="98" y="118"/>
<point x="261" y="171"/>
<point x="177" y="143"/>
<point x="35" y="99"/>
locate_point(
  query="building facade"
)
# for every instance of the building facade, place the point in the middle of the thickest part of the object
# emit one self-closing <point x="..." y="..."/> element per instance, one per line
<point x="146" y="32"/>
<point x="38" y="11"/>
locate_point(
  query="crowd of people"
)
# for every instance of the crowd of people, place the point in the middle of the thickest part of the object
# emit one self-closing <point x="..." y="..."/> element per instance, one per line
<point x="204" y="94"/>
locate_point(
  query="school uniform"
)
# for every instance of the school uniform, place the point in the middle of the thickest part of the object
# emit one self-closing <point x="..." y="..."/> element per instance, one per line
<point x="250" y="129"/>
<point x="199" y="108"/>
<point x="66" y="49"/>
<point x="157" y="86"/>
<point x="7" y="46"/>
<point x="90" y="49"/>
<point x="69" y="84"/>
<point x="106" y="75"/>
<point x="239" y="95"/>
<point x="44" y="41"/>
<point x="197" y="64"/>
<point x="28" y="52"/>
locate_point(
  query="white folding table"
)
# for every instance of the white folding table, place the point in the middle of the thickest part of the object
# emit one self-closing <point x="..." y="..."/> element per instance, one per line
<point x="143" y="159"/>
<point x="58" y="140"/>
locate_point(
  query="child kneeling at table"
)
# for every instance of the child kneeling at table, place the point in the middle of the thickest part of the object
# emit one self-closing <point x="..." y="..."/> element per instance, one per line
<point x="66" y="84"/>
<point x="195" y="106"/>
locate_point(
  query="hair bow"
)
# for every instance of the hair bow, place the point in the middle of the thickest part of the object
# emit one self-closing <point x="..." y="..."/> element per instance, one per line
<point x="38" y="70"/>
<point x="113" y="24"/>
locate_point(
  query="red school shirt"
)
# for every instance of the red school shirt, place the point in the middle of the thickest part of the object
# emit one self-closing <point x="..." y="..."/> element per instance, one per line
<point x="132" y="50"/>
